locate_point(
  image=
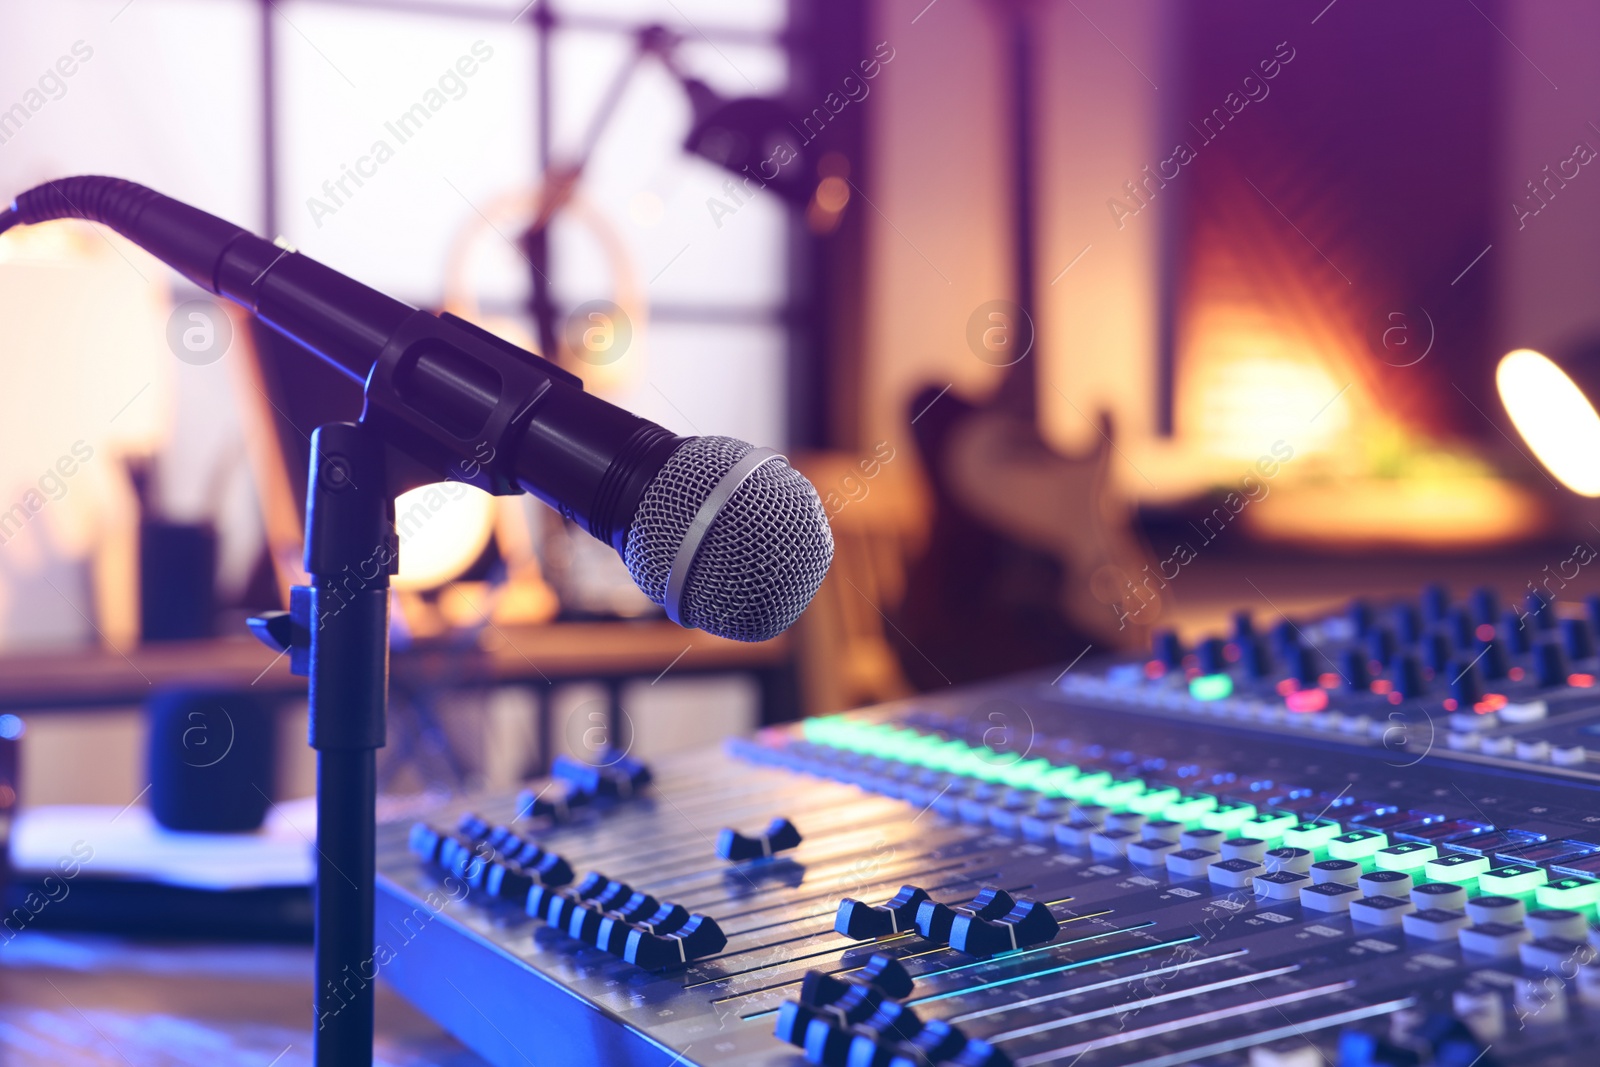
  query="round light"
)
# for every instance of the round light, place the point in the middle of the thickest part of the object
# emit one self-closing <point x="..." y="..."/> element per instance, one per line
<point x="1553" y="416"/>
<point x="443" y="529"/>
<point x="10" y="727"/>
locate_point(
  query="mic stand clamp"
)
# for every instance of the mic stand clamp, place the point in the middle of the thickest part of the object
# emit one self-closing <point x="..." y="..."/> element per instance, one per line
<point x="336" y="633"/>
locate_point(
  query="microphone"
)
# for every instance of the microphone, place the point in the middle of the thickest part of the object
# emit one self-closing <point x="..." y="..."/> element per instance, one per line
<point x="727" y="537"/>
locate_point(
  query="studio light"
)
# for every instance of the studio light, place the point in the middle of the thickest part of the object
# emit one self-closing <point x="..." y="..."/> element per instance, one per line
<point x="1549" y="404"/>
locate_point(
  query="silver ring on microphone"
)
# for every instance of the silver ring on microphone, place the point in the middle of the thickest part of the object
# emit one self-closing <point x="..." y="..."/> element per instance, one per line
<point x="678" y="577"/>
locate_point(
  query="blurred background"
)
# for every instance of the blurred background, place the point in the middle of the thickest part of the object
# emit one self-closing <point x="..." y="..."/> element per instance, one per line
<point x="1083" y="317"/>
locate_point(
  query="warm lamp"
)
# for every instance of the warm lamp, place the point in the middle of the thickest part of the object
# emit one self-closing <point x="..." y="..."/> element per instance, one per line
<point x="1549" y="404"/>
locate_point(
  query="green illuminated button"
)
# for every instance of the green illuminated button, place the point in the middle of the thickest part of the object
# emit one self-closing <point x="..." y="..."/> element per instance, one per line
<point x="991" y="766"/>
<point x="1154" y="801"/>
<point x="1118" y="793"/>
<point x="1269" y="825"/>
<point x="1229" y="816"/>
<point x="1190" y="808"/>
<point x="1457" y="869"/>
<point x="1054" y="783"/>
<point x="1313" y="835"/>
<point x="1211" y="687"/>
<point x="1406" y="856"/>
<point x="1357" y="844"/>
<point x="1512" y="880"/>
<point x="1025" y="774"/>
<point x="1572" y="894"/>
<point x="1088" y="786"/>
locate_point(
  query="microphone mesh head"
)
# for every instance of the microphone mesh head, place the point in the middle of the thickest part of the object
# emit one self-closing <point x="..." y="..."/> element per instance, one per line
<point x="763" y="557"/>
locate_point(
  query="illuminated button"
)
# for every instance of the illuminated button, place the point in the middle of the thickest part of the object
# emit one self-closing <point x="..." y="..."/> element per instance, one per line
<point x="1269" y="825"/>
<point x="1207" y="839"/>
<point x="1294" y="860"/>
<point x="1190" y="808"/>
<point x="1575" y="894"/>
<point x="1229" y="816"/>
<point x="1406" y="856"/>
<point x="1381" y="910"/>
<point x="1118" y="793"/>
<point x="1557" y="922"/>
<point x="1345" y="872"/>
<point x="1245" y="848"/>
<point x="1190" y="862"/>
<point x="1434" y="924"/>
<point x="1025" y="774"/>
<point x="1457" y="869"/>
<point x="1558" y="954"/>
<point x="1161" y="830"/>
<point x="1154" y="801"/>
<point x="1499" y="940"/>
<point x="1112" y="843"/>
<point x="1211" y="687"/>
<point x="1514" y="879"/>
<point x="1087" y="786"/>
<point x="1095" y="814"/>
<point x="1077" y="833"/>
<point x="1125" y="820"/>
<point x="1280" y="885"/>
<point x="1357" y="845"/>
<point x="1496" y="910"/>
<point x="1312" y="835"/>
<point x="1150" y="853"/>
<point x="1330" y="897"/>
<point x="1439" y="895"/>
<point x="1385" y="884"/>
<point x="1234" y="873"/>
<point x="1054" y="783"/>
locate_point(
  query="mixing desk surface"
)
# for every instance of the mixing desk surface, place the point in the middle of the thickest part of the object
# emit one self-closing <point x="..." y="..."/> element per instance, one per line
<point x="1369" y="839"/>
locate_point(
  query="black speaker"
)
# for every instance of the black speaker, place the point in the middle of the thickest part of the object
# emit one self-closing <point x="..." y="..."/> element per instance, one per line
<point x="212" y="759"/>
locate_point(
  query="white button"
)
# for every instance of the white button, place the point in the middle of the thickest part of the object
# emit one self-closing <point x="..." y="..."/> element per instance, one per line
<point x="1535" y="751"/>
<point x="1532" y="711"/>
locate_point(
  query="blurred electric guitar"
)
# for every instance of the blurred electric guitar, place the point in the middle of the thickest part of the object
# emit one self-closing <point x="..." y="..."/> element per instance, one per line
<point x="1031" y="554"/>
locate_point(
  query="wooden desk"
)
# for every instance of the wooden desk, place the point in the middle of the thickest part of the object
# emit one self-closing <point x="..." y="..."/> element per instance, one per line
<point x="93" y="676"/>
<point x="535" y="656"/>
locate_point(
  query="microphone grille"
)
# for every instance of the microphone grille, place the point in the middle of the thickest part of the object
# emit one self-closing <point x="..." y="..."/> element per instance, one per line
<point x="763" y="556"/>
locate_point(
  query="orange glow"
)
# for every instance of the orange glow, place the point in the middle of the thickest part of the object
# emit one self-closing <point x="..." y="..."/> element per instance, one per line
<point x="1580" y="681"/>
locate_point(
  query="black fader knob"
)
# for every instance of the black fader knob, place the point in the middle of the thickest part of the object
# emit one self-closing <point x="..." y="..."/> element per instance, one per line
<point x="1353" y="668"/>
<point x="1465" y="688"/>
<point x="1407" y="625"/>
<point x="1211" y="655"/>
<point x="1166" y="649"/>
<point x="1380" y="645"/>
<point x="695" y="939"/>
<point x="1518" y="637"/>
<point x="934" y="920"/>
<point x="1549" y="665"/>
<point x="863" y="922"/>
<point x="779" y="836"/>
<point x="888" y="974"/>
<point x="1028" y="923"/>
<point x="1576" y="638"/>
<point x="1405" y="674"/>
<point x="1485" y="605"/>
<point x="1254" y="658"/>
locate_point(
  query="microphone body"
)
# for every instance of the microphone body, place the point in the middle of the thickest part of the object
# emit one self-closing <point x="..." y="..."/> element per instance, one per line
<point x="459" y="403"/>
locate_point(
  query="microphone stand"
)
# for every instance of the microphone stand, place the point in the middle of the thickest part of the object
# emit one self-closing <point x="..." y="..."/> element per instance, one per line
<point x="337" y="634"/>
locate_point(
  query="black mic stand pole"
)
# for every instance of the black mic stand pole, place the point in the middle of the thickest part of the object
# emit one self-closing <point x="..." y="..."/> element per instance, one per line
<point x="337" y="631"/>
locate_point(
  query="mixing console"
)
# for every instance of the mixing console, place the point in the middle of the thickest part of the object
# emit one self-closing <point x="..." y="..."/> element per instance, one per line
<point x="1367" y="839"/>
